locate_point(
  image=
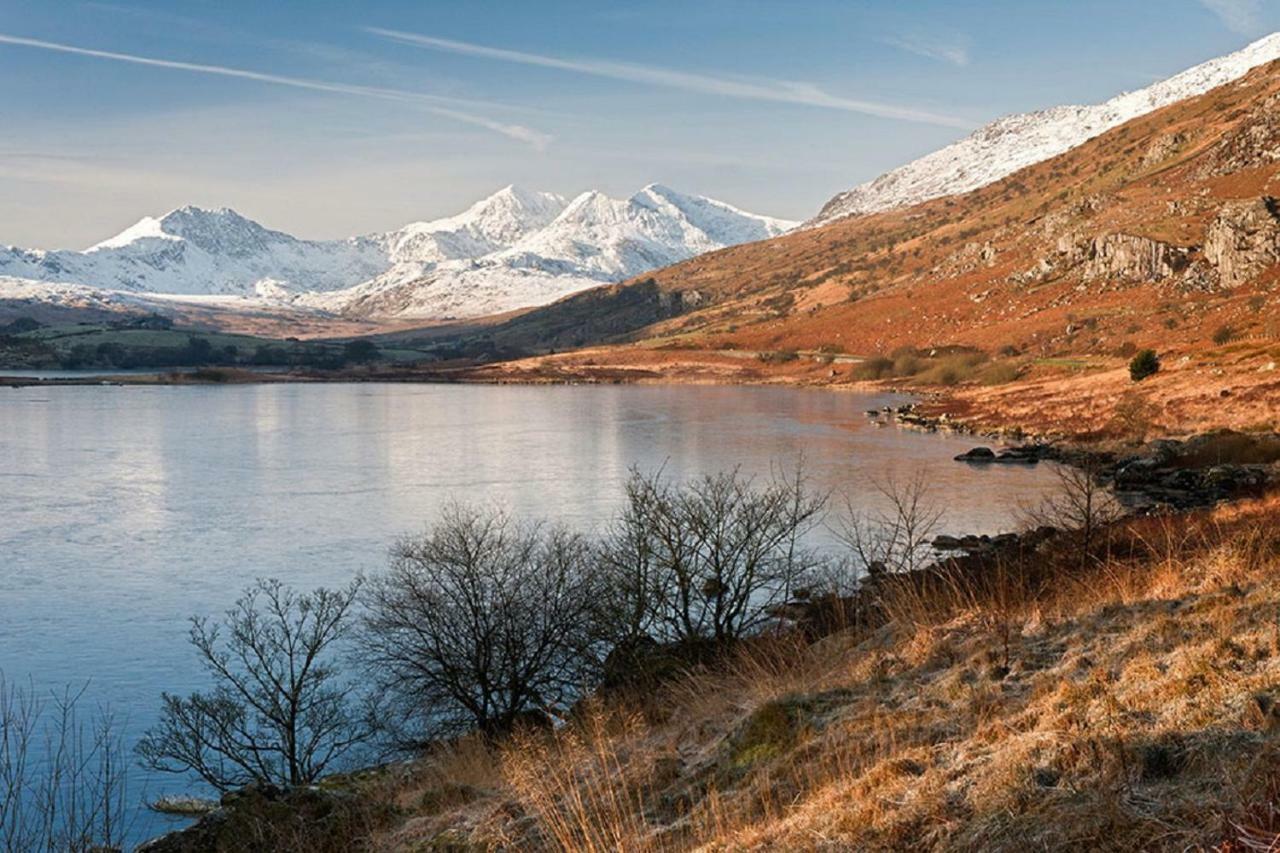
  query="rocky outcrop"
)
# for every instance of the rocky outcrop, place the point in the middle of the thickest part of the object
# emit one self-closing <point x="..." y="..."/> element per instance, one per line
<point x="1244" y="240"/>
<point x="1126" y="257"/>
<point x="1163" y="148"/>
<point x="1109" y="257"/>
<point x="1028" y="454"/>
<point x="971" y="257"/>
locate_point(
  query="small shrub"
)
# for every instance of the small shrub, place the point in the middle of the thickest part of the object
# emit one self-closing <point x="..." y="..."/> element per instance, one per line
<point x="1223" y="335"/>
<point x="878" y="367"/>
<point x="1133" y="417"/>
<point x="782" y="356"/>
<point x="1145" y="363"/>
<point x="1128" y="349"/>
<point x="999" y="373"/>
<point x="767" y="733"/>
<point x="906" y="364"/>
<point x="952" y="369"/>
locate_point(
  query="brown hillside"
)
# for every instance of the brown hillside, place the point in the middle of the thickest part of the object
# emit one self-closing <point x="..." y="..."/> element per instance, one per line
<point x="1161" y="219"/>
<point x="1161" y="233"/>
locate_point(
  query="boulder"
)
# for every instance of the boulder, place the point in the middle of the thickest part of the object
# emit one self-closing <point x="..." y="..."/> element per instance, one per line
<point x="977" y="454"/>
<point x="1018" y="456"/>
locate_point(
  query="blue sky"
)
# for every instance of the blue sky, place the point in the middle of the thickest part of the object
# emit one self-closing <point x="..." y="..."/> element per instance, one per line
<point x="327" y="118"/>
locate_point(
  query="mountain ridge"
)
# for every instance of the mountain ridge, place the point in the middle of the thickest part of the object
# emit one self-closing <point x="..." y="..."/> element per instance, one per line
<point x="1013" y="142"/>
<point x="513" y="249"/>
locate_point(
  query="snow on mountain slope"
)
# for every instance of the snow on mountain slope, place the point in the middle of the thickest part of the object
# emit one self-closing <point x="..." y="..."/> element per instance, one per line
<point x="193" y="251"/>
<point x="1015" y="142"/>
<point x="511" y="250"/>
<point x="488" y="226"/>
<point x="594" y="240"/>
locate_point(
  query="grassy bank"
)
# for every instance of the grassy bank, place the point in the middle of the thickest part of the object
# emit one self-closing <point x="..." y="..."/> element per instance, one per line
<point x="1120" y="702"/>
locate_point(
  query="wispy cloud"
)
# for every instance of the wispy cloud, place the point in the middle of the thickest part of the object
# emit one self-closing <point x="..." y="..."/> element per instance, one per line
<point x="952" y="52"/>
<point x="435" y="104"/>
<point x="780" y="91"/>
<point x="1239" y="16"/>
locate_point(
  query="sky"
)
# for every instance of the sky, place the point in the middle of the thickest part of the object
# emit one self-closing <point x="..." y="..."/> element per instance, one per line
<point x="327" y="119"/>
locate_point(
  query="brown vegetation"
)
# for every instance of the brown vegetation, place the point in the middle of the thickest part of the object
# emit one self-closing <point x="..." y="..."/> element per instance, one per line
<point x="1123" y="702"/>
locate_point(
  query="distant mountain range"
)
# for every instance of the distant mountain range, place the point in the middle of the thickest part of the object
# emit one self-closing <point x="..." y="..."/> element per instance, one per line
<point x="519" y="249"/>
<point x="511" y="250"/>
<point x="1008" y="144"/>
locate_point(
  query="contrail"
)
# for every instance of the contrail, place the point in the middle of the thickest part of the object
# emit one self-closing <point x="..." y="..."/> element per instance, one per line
<point x="781" y="91"/>
<point x="431" y="103"/>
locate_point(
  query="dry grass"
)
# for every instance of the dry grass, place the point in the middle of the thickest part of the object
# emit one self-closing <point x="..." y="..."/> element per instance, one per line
<point x="1127" y="705"/>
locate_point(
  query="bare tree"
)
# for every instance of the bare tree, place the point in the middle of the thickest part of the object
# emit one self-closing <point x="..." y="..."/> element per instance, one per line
<point x="898" y="536"/>
<point x="625" y="611"/>
<point x="1081" y="505"/>
<point x="478" y="624"/>
<point x="709" y="560"/>
<point x="278" y="711"/>
<point x="63" y="777"/>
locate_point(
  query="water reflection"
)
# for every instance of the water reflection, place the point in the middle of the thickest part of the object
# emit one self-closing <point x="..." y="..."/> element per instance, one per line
<point x="126" y="509"/>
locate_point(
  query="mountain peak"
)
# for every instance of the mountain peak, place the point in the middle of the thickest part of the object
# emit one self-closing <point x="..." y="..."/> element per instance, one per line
<point x="210" y="228"/>
<point x="191" y="214"/>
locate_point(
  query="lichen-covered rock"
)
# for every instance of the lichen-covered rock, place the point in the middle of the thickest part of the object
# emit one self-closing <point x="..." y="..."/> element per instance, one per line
<point x="1244" y="240"/>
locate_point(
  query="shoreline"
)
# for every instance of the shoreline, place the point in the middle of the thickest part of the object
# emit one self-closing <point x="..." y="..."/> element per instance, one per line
<point x="1080" y="410"/>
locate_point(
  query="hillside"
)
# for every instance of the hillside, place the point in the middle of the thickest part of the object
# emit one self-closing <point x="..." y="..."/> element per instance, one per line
<point x="1015" y="142"/>
<point x="1137" y="715"/>
<point x="1159" y="233"/>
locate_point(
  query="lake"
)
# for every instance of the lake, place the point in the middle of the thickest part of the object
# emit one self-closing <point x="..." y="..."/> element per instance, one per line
<point x="125" y="510"/>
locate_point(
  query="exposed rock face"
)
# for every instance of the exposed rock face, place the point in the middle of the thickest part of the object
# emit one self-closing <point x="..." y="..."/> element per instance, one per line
<point x="1125" y="257"/>
<point x="1163" y="148"/>
<point x="1110" y="257"/>
<point x="1244" y="240"/>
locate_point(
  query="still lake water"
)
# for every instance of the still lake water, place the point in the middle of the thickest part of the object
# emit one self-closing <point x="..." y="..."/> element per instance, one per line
<point x="124" y="510"/>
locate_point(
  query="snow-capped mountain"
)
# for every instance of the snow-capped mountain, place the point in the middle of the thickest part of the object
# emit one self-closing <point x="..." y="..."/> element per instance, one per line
<point x="1006" y="145"/>
<point x="511" y="250"/>
<point x="594" y="240"/>
<point x="197" y="251"/>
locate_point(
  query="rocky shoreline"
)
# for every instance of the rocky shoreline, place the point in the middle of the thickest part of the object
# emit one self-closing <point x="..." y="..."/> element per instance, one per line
<point x="1167" y="473"/>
